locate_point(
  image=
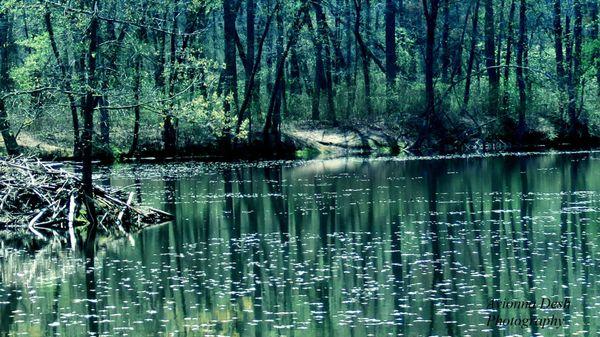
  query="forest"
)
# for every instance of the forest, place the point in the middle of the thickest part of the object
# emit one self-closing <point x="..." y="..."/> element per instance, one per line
<point x="125" y="78"/>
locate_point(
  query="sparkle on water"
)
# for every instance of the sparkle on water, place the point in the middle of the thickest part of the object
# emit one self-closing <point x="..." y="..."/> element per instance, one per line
<point x="354" y="247"/>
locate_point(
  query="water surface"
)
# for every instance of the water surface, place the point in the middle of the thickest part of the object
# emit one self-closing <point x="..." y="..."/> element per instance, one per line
<point x="344" y="247"/>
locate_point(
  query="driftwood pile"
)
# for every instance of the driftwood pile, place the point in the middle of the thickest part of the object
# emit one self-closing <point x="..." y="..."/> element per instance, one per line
<point x="40" y="202"/>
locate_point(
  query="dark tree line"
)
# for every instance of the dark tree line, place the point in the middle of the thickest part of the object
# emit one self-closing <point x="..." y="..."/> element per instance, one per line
<point x="181" y="73"/>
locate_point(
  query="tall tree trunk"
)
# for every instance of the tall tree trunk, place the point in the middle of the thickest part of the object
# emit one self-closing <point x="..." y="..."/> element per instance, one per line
<point x="595" y="26"/>
<point x="445" y="58"/>
<point x="279" y="87"/>
<point x="471" y="60"/>
<point x="390" y="51"/>
<point x="521" y="50"/>
<point x="431" y="125"/>
<point x="67" y="82"/>
<point x="364" y="58"/>
<point x="501" y="34"/>
<point x="170" y="123"/>
<point x="570" y="81"/>
<point x="295" y="76"/>
<point x="137" y="109"/>
<point x="109" y="74"/>
<point x="559" y="56"/>
<point x="250" y="46"/>
<point x="90" y="102"/>
<point x="137" y="89"/>
<point x="350" y="87"/>
<point x="10" y="141"/>
<point x="508" y="56"/>
<point x="578" y="128"/>
<point x="272" y="129"/>
<point x="325" y="80"/>
<point x="457" y="66"/>
<point x="490" y="60"/>
<point x="251" y="87"/>
<point x="230" y="71"/>
<point x="109" y="66"/>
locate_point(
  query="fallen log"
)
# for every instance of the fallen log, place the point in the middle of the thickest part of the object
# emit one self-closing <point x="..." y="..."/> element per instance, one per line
<point x="37" y="196"/>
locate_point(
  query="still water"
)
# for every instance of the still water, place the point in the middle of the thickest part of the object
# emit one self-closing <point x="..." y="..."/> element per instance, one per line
<point x="345" y="247"/>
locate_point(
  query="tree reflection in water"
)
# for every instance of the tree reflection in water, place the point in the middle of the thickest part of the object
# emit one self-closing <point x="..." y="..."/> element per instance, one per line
<point x="351" y="247"/>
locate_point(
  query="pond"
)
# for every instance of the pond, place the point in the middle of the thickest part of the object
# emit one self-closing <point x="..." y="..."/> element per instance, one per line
<point x="352" y="246"/>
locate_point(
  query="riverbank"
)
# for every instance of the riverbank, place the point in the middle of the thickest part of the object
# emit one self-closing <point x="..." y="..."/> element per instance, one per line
<point x="304" y="140"/>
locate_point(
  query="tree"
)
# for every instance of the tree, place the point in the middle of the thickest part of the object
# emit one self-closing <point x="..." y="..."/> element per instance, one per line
<point x="391" y="67"/>
<point x="272" y="129"/>
<point x="445" y="59"/>
<point x="230" y="71"/>
<point x="508" y="56"/>
<point x="595" y="27"/>
<point x="10" y="141"/>
<point x="578" y="127"/>
<point x="471" y="59"/>
<point x="169" y="123"/>
<point x="66" y="81"/>
<point x="90" y="102"/>
<point x="364" y="53"/>
<point x="431" y="122"/>
<point x="490" y="60"/>
<point x="521" y="52"/>
<point x="323" y="76"/>
<point x="137" y="87"/>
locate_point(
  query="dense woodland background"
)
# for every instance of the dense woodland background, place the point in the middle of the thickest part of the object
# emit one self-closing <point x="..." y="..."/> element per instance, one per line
<point x="125" y="77"/>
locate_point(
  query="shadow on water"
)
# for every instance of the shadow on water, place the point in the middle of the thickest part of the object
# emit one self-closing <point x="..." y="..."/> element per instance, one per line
<point x="350" y="246"/>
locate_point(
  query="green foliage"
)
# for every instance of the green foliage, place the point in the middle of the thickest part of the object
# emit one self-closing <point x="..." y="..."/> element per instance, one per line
<point x="186" y="82"/>
<point x="29" y="74"/>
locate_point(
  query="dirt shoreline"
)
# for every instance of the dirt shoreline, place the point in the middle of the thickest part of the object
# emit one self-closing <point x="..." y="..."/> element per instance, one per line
<point x="305" y="141"/>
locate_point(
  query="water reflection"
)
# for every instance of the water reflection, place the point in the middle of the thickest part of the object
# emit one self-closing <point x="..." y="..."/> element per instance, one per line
<point x="327" y="248"/>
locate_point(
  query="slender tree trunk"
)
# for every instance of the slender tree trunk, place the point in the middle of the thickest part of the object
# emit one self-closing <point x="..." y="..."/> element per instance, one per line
<point x="279" y="87"/>
<point x="251" y="87"/>
<point x="109" y="74"/>
<point x="170" y="123"/>
<point x="390" y="51"/>
<point x="325" y="81"/>
<point x="578" y="128"/>
<point x="90" y="102"/>
<point x="457" y="67"/>
<point x="137" y="90"/>
<point x="295" y="77"/>
<point x="250" y="52"/>
<point x="10" y="141"/>
<point x="137" y="109"/>
<point x="595" y="26"/>
<point x="350" y="87"/>
<point x="471" y="60"/>
<point x="67" y="83"/>
<point x="364" y="58"/>
<point x="508" y="56"/>
<point x="490" y="60"/>
<point x="272" y="129"/>
<point x="559" y="56"/>
<point x="445" y="58"/>
<point x="570" y="85"/>
<point x="431" y="125"/>
<point x="501" y="34"/>
<point x="230" y="71"/>
<point x="250" y="22"/>
<point x="105" y="84"/>
<point x="521" y="52"/>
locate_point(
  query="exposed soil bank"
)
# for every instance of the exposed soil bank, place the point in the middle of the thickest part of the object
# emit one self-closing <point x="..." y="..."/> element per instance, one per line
<point x="310" y="140"/>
